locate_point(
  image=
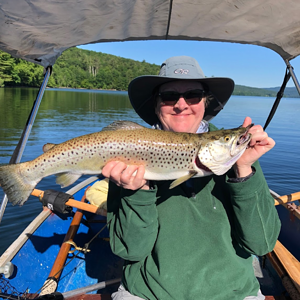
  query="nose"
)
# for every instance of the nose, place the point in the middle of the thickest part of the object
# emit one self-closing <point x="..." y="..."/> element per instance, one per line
<point x="181" y="103"/>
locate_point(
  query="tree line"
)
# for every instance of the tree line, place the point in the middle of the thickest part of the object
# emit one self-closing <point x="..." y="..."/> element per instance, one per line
<point x="78" y="68"/>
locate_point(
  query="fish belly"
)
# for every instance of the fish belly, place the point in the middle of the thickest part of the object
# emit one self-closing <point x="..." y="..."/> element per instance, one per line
<point x="152" y="175"/>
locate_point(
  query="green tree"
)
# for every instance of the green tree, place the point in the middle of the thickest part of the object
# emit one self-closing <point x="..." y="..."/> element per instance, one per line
<point x="6" y="68"/>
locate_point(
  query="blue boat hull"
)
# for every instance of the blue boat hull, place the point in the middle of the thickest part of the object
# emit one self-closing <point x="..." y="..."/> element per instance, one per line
<point x="34" y="261"/>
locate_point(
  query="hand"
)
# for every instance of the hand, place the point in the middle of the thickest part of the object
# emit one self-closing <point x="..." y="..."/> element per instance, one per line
<point x="123" y="175"/>
<point x="260" y="144"/>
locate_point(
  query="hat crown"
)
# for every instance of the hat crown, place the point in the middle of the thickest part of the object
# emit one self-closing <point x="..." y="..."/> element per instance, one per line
<point x="181" y="67"/>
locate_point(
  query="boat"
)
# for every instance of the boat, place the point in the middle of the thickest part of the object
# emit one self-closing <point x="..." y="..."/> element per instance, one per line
<point x="55" y="257"/>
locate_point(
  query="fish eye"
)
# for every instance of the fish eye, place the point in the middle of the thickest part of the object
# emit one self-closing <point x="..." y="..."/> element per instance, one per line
<point x="226" y="138"/>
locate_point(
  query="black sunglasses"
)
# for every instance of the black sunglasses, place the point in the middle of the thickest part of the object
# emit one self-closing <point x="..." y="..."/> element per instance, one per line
<point x="191" y="97"/>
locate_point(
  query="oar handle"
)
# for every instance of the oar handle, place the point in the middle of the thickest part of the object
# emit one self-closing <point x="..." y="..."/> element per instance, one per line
<point x="94" y="209"/>
<point x="71" y="202"/>
<point x="287" y="198"/>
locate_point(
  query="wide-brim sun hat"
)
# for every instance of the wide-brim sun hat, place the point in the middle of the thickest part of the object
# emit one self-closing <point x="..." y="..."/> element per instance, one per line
<point x="141" y="89"/>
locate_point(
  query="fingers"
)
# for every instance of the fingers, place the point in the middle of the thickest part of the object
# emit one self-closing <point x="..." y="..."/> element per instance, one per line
<point x="255" y="129"/>
<point x="118" y="174"/>
<point x="129" y="177"/>
<point x="107" y="168"/>
<point x="259" y="144"/>
<point x="260" y="138"/>
<point x="247" y="122"/>
<point x="257" y="135"/>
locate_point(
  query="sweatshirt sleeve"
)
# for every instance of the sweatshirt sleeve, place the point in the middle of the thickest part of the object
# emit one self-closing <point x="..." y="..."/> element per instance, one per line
<point x="256" y="221"/>
<point x="133" y="222"/>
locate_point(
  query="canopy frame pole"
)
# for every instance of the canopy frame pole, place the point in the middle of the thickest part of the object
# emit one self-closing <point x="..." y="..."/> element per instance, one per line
<point x="279" y="96"/>
<point x="288" y="74"/>
<point x="18" y="152"/>
<point x="291" y="70"/>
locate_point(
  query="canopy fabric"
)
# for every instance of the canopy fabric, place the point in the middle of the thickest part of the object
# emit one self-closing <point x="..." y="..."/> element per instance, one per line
<point x="39" y="31"/>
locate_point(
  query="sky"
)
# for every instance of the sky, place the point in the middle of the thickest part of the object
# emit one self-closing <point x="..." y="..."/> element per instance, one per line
<point x="248" y="65"/>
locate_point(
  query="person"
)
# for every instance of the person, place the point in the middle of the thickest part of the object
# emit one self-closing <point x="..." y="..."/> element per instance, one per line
<point x="97" y="196"/>
<point x="195" y="241"/>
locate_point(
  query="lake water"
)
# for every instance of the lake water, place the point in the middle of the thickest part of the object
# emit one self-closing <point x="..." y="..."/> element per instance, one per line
<point x="65" y="114"/>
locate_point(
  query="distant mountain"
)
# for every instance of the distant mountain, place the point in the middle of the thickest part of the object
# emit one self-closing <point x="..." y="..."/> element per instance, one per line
<point x="242" y="90"/>
<point x="289" y="92"/>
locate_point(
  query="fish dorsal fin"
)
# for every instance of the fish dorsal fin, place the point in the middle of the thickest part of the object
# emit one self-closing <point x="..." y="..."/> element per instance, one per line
<point x="122" y="125"/>
<point x="48" y="146"/>
<point x="182" y="179"/>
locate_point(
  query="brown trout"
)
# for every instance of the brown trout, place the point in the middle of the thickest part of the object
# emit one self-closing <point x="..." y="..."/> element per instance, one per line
<point x="166" y="156"/>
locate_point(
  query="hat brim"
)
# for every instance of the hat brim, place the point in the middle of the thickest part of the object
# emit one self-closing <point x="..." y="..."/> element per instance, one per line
<point x="140" y="92"/>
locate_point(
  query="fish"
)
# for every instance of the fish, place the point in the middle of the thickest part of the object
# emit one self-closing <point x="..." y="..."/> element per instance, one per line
<point x="166" y="156"/>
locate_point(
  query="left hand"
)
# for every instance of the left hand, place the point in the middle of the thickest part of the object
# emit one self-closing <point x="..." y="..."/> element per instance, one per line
<point x="260" y="144"/>
<point x="123" y="175"/>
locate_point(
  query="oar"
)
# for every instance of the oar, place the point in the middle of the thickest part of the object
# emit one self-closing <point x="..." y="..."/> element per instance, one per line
<point x="71" y="202"/>
<point x="287" y="198"/>
<point x="94" y="209"/>
<point x="290" y="264"/>
<point x="50" y="284"/>
<point x="288" y="269"/>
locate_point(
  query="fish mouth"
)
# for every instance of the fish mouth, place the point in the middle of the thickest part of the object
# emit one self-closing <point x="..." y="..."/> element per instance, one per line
<point x="200" y="165"/>
<point x="242" y="142"/>
<point x="245" y="137"/>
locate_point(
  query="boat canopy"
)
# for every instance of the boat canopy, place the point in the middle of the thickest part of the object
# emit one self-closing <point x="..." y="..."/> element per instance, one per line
<point x="39" y="31"/>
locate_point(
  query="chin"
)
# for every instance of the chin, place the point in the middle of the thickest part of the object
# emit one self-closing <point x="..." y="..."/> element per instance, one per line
<point x="180" y="126"/>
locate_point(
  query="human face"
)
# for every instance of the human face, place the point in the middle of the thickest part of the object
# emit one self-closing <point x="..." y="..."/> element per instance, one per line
<point x="181" y="117"/>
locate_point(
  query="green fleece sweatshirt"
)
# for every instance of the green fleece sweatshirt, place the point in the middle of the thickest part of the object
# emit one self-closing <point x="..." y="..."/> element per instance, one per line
<point x="194" y="241"/>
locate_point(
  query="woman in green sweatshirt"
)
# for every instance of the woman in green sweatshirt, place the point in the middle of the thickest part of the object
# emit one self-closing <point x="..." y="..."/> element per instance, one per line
<point x="194" y="241"/>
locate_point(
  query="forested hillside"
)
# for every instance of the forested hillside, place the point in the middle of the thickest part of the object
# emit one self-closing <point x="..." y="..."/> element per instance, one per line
<point x="290" y="92"/>
<point x="242" y="90"/>
<point x="78" y="68"/>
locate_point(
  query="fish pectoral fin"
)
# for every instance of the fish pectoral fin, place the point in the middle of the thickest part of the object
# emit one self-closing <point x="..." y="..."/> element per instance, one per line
<point x="182" y="179"/>
<point x="66" y="179"/>
<point x="48" y="146"/>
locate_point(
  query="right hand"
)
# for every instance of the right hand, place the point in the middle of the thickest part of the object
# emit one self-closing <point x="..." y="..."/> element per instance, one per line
<point x="122" y="175"/>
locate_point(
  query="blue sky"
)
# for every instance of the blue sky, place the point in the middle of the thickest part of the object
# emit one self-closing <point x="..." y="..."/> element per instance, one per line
<point x="248" y="65"/>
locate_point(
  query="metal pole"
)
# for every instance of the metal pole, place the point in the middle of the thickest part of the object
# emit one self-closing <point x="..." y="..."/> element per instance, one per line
<point x="17" y="155"/>
<point x="90" y="288"/>
<point x="291" y="69"/>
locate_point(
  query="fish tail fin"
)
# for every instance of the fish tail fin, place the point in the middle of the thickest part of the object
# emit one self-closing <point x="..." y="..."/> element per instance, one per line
<point x="14" y="186"/>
